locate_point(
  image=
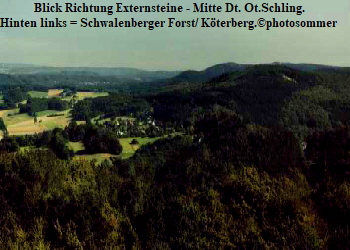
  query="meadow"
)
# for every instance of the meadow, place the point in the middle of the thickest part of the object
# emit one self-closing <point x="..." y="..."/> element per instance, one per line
<point x="128" y="149"/>
<point x="22" y="124"/>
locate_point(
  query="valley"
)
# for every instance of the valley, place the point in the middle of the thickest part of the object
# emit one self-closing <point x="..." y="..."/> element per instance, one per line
<point x="21" y="124"/>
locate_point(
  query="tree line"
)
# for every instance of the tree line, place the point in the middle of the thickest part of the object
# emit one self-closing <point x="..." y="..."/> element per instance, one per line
<point x="34" y="105"/>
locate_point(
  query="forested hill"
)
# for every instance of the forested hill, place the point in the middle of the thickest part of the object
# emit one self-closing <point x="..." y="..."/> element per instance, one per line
<point x="218" y="72"/>
<point x="273" y="95"/>
<point x="266" y="95"/>
<point x="209" y="73"/>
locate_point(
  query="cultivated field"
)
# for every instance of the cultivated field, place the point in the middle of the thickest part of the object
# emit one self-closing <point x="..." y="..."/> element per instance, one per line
<point x="54" y="92"/>
<point x="84" y="95"/>
<point x="22" y="124"/>
<point x="4" y="112"/>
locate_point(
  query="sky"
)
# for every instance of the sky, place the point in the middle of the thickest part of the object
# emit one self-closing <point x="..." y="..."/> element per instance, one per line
<point x="176" y="48"/>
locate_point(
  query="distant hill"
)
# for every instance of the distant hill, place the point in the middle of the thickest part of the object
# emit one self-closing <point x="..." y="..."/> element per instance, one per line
<point x="125" y="72"/>
<point x="261" y="90"/>
<point x="209" y="73"/>
<point x="225" y="68"/>
<point x="268" y="94"/>
<point x="219" y="72"/>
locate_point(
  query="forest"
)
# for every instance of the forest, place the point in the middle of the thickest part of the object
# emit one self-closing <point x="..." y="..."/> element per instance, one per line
<point x="253" y="158"/>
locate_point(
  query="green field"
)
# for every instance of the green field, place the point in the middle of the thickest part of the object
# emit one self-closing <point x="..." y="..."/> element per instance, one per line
<point x="21" y="124"/>
<point x="129" y="150"/>
<point x="76" y="146"/>
<point x="16" y="118"/>
<point x="38" y="94"/>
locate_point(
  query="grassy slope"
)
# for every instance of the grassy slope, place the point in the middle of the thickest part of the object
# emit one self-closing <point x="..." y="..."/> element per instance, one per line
<point x="20" y="124"/>
<point x="127" y="152"/>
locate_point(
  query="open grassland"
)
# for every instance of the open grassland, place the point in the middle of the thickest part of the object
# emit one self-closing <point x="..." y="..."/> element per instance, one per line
<point x="25" y="128"/>
<point x="76" y="146"/>
<point x="38" y="94"/>
<point x="16" y="118"/>
<point x="22" y="124"/>
<point x="129" y="150"/>
<point x="55" y="122"/>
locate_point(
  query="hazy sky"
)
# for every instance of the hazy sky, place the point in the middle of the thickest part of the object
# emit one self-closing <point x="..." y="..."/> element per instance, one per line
<point x="176" y="48"/>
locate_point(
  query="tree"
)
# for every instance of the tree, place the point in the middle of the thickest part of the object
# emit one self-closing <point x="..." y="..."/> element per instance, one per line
<point x="58" y="144"/>
<point x="100" y="140"/>
<point x="3" y="126"/>
<point x="35" y="118"/>
<point x="134" y="144"/>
